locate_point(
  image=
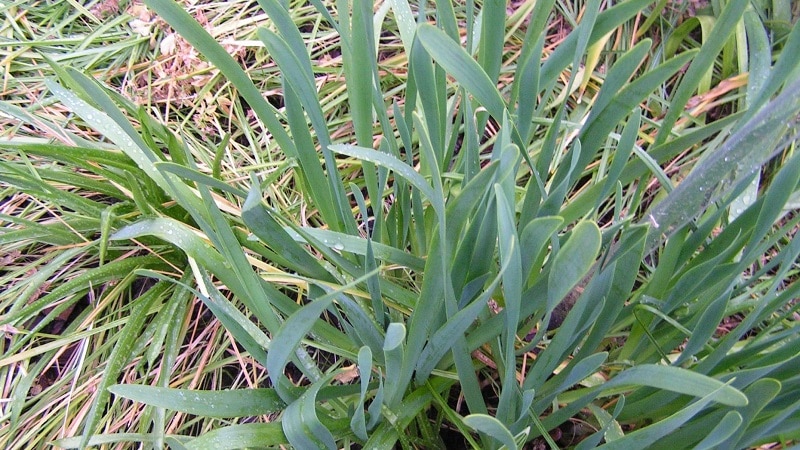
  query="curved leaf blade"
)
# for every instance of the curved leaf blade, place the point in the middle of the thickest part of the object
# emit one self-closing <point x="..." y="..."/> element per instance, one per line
<point x="573" y="261"/>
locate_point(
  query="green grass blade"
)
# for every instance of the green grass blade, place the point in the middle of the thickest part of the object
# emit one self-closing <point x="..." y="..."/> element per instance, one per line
<point x="119" y="357"/>
<point x="775" y="199"/>
<point x="781" y="73"/>
<point x="606" y="22"/>
<point x="36" y="186"/>
<point x="287" y="340"/>
<point x="704" y="330"/>
<point x="115" y="128"/>
<point x="512" y="295"/>
<point x="626" y="264"/>
<point x="745" y="149"/>
<point x="238" y="325"/>
<point x="627" y="143"/>
<point x="535" y="236"/>
<point x="442" y="339"/>
<point x="178" y="234"/>
<point x="398" y="167"/>
<point x="724" y="26"/>
<point x="263" y="225"/>
<point x="527" y="81"/>
<point x="455" y="60"/>
<point x="300" y="422"/>
<point x="490" y="47"/>
<point x="447" y="18"/>
<point x="759" y="55"/>
<point x="526" y="78"/>
<point x="618" y="76"/>
<point x="362" y="80"/>
<point x="116" y="270"/>
<point x="602" y="121"/>
<point x="102" y="162"/>
<point x="611" y="430"/>
<point x="221" y="404"/>
<point x="197" y="177"/>
<point x="374" y="287"/>
<point x="358" y="245"/>
<point x="358" y="54"/>
<point x="429" y="83"/>
<point x="304" y="98"/>
<point x="405" y="23"/>
<point x="635" y="168"/>
<point x="570" y="334"/>
<point x="574" y="373"/>
<point x="47" y="126"/>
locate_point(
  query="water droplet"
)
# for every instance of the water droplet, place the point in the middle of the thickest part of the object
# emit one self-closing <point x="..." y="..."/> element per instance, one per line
<point x="338" y="246"/>
<point x="252" y="237"/>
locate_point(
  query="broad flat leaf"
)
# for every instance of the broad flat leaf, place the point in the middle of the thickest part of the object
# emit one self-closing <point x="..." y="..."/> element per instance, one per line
<point x="512" y="295"/>
<point x="745" y="150"/>
<point x="573" y="261"/>
<point x="782" y="72"/>
<point x="393" y="351"/>
<point x="358" y="423"/>
<point x="726" y="427"/>
<point x="677" y="380"/>
<point x="534" y="239"/>
<point x="490" y="47"/>
<point x="611" y="429"/>
<point x="288" y="338"/>
<point x="760" y="393"/>
<point x="648" y="435"/>
<point x="492" y="427"/>
<point x="301" y="424"/>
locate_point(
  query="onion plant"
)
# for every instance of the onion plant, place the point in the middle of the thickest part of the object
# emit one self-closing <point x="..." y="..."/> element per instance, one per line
<point x="493" y="248"/>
